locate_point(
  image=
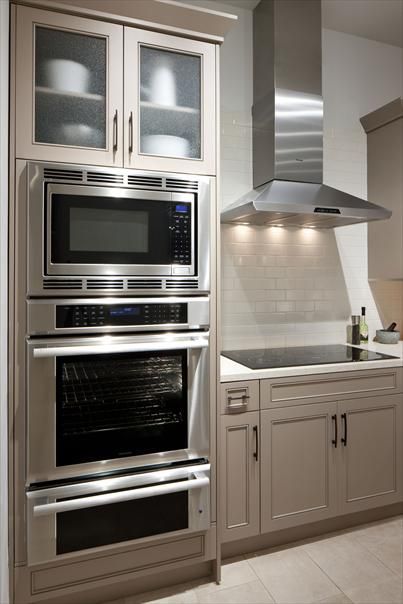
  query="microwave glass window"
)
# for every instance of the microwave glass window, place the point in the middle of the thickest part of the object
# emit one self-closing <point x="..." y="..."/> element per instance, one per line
<point x="118" y="405"/>
<point x="119" y="231"/>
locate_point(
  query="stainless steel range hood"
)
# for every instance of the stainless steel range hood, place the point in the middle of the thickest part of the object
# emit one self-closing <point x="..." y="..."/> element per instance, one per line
<point x="288" y="126"/>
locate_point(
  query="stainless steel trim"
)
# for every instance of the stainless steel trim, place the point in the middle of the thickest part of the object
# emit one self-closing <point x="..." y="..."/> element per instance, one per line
<point x="152" y="183"/>
<point x="67" y="351"/>
<point x="41" y="315"/>
<point x="118" y="482"/>
<point x="141" y="493"/>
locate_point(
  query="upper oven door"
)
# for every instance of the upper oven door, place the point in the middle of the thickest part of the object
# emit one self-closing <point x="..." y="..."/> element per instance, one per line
<point x="100" y="230"/>
<point x="106" y="403"/>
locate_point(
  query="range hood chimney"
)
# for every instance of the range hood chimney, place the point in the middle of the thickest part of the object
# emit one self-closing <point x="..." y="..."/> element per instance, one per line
<point x="288" y="126"/>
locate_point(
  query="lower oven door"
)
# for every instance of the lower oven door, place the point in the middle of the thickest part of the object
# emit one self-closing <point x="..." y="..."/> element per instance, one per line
<point x="69" y="519"/>
<point x="112" y="402"/>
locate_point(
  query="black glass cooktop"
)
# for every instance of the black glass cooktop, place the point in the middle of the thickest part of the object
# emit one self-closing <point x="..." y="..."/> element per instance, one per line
<point x="268" y="358"/>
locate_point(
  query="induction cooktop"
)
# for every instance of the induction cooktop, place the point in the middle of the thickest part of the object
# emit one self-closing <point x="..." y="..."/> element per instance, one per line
<point x="270" y="358"/>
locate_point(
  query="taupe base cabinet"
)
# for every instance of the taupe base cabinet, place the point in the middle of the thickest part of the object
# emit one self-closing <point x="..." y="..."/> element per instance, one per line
<point x="324" y="446"/>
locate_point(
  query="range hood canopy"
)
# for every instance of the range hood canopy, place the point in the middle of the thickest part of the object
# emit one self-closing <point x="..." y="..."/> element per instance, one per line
<point x="288" y="126"/>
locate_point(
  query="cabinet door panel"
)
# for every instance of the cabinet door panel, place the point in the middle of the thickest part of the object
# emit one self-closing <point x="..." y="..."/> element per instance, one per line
<point x="298" y="465"/>
<point x="69" y="88"/>
<point x="169" y="103"/>
<point x="371" y="459"/>
<point x="239" y="482"/>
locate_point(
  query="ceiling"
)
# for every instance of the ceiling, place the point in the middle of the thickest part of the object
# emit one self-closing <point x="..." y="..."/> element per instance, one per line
<point x="380" y="20"/>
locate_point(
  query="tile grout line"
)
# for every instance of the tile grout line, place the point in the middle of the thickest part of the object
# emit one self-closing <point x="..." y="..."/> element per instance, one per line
<point x="259" y="579"/>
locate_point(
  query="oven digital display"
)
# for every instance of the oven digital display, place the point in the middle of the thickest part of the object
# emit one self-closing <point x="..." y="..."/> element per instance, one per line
<point x="182" y="208"/>
<point x="124" y="311"/>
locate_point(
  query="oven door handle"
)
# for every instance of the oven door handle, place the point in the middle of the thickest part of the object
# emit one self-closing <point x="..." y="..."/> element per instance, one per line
<point x="68" y="351"/>
<point x="200" y="481"/>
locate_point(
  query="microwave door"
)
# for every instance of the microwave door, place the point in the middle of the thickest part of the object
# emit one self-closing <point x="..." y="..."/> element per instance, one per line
<point x="116" y="231"/>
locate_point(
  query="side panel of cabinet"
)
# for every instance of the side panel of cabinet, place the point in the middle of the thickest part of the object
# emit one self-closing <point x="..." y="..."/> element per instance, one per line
<point x="371" y="464"/>
<point x="298" y="465"/>
<point x="69" y="101"/>
<point x="169" y="96"/>
<point x="239" y="470"/>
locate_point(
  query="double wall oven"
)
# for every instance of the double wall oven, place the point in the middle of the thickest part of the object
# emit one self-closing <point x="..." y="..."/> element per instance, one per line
<point x="118" y="386"/>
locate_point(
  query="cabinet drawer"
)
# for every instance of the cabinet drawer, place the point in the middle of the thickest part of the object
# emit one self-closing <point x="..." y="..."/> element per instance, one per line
<point x="283" y="392"/>
<point x="239" y="397"/>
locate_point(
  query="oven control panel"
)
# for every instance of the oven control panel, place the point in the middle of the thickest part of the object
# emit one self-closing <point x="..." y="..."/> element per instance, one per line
<point x="99" y="315"/>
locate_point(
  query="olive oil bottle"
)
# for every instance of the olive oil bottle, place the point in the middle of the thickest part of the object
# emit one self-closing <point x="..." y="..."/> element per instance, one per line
<point x="363" y="327"/>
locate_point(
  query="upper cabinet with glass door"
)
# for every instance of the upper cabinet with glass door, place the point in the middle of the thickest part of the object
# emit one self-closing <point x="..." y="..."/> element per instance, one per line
<point x="69" y="88"/>
<point x="169" y="103"/>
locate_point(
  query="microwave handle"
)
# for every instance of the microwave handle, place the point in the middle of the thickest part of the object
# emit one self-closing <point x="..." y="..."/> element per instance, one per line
<point x="200" y="481"/>
<point x="68" y="351"/>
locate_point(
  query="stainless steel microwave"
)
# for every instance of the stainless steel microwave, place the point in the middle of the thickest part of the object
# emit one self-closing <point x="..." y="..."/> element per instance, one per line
<point x="103" y="230"/>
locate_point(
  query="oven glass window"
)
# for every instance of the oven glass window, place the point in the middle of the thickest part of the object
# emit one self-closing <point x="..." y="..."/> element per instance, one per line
<point x="111" y="230"/>
<point x="118" y="405"/>
<point x="113" y="523"/>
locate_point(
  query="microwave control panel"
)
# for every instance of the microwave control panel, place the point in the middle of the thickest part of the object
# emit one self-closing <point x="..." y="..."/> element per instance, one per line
<point x="97" y="315"/>
<point x="182" y="234"/>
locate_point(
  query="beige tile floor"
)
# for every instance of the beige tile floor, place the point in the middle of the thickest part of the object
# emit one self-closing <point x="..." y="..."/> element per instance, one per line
<point x="362" y="565"/>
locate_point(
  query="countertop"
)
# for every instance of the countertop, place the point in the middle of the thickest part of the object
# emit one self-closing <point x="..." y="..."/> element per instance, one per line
<point x="233" y="372"/>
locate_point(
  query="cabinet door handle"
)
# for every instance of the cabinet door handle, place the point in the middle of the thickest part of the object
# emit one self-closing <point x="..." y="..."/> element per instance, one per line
<point x="131" y="132"/>
<point x="344" y="438"/>
<point x="115" y="131"/>
<point x="256" y="453"/>
<point x="334" y="441"/>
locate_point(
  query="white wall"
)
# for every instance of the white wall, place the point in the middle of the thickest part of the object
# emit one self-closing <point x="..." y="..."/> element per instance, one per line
<point x="4" y="21"/>
<point x="294" y="287"/>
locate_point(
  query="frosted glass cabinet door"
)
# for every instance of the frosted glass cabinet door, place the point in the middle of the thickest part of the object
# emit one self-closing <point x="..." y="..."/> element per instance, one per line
<point x="69" y="89"/>
<point x="169" y="103"/>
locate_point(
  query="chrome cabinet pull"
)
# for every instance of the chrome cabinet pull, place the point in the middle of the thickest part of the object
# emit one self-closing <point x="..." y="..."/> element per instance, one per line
<point x="344" y="438"/>
<point x="256" y="453"/>
<point x="131" y="132"/>
<point x="115" y="131"/>
<point x="334" y="440"/>
<point x="244" y="398"/>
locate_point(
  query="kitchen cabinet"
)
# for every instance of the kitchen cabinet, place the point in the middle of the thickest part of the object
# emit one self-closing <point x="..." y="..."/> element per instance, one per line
<point x="69" y="83"/>
<point x="239" y="472"/>
<point x="329" y="444"/>
<point x="101" y="93"/>
<point x="384" y="128"/>
<point x="169" y="103"/>
<point x="370" y="455"/>
<point x="298" y="465"/>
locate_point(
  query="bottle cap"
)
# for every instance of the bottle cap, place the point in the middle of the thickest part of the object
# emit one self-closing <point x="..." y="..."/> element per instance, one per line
<point x="363" y="311"/>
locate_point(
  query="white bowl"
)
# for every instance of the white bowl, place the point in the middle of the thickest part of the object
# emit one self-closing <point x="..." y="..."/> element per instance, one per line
<point x="70" y="76"/>
<point x="165" y="144"/>
<point x="80" y="135"/>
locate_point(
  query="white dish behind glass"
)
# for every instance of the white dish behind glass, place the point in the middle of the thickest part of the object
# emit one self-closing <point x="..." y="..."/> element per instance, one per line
<point x="70" y="76"/>
<point x="165" y="144"/>
<point x="162" y="84"/>
<point x="80" y="135"/>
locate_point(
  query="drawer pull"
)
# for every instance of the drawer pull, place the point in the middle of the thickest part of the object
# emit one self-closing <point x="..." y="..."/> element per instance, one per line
<point x="244" y="398"/>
